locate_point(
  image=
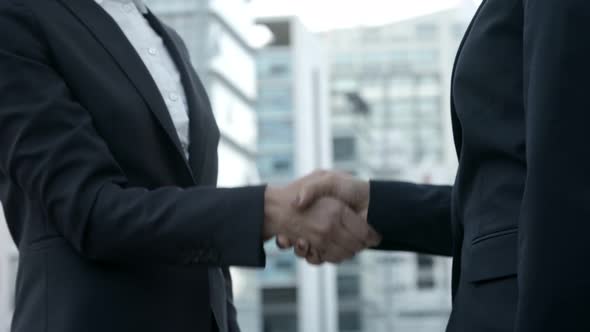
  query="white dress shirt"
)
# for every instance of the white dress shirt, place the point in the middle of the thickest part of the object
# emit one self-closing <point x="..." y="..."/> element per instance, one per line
<point x="149" y="45"/>
<point x="128" y="14"/>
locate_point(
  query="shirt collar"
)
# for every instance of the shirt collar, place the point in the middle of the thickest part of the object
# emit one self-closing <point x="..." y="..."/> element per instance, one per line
<point x="141" y="6"/>
<point x="138" y="3"/>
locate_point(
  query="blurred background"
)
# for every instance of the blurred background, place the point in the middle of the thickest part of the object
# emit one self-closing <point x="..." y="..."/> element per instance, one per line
<point x="360" y="86"/>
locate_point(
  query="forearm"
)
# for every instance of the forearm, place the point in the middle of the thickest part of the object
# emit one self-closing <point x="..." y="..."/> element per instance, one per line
<point x="412" y="217"/>
<point x="172" y="226"/>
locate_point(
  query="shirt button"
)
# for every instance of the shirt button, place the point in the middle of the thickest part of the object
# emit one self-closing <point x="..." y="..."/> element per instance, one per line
<point x="152" y="51"/>
<point x="128" y="7"/>
<point x="173" y="96"/>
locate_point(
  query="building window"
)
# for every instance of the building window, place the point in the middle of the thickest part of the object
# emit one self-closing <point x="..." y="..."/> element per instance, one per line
<point x="349" y="321"/>
<point x="344" y="149"/>
<point x="425" y="56"/>
<point x="425" y="272"/>
<point x="274" y="99"/>
<point x="282" y="164"/>
<point x="426" y="31"/>
<point x="276" y="165"/>
<point x="278" y="296"/>
<point x="279" y="69"/>
<point x="280" y="322"/>
<point x="280" y="309"/>
<point x="285" y="264"/>
<point x="272" y="132"/>
<point x="349" y="287"/>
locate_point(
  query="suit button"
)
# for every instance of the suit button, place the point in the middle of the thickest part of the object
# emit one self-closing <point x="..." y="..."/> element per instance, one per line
<point x="173" y="96"/>
<point x="213" y="257"/>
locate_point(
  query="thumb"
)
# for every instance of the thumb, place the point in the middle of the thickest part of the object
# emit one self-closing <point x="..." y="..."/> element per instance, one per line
<point x="303" y="199"/>
<point x="374" y="238"/>
<point x="309" y="192"/>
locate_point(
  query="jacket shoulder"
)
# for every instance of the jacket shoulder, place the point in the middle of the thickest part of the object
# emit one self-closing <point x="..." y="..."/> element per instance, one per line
<point x="20" y="32"/>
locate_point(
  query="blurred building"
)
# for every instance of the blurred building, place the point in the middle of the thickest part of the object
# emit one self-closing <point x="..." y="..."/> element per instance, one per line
<point x="351" y="132"/>
<point x="390" y="87"/>
<point x="294" y="139"/>
<point x="8" y="269"/>
<point x="216" y="35"/>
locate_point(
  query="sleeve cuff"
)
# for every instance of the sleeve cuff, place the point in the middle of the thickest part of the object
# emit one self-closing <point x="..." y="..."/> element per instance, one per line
<point x="242" y="243"/>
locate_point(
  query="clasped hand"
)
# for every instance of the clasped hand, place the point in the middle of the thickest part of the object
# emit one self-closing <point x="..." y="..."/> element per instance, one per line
<point x="324" y="216"/>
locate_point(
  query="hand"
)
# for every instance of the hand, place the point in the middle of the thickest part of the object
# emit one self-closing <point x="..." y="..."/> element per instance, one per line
<point x="325" y="223"/>
<point x="355" y="193"/>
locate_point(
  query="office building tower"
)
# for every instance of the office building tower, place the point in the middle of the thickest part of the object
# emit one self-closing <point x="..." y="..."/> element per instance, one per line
<point x="294" y="140"/>
<point x="390" y="87"/>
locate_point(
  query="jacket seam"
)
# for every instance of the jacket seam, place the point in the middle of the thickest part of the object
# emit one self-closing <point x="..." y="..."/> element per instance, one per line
<point x="493" y="235"/>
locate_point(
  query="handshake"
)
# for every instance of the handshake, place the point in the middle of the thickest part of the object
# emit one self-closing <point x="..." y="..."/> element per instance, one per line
<point x="324" y="216"/>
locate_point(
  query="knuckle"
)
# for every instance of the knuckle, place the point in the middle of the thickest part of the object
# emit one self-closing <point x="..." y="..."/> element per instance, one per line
<point x="325" y="230"/>
<point x="336" y="212"/>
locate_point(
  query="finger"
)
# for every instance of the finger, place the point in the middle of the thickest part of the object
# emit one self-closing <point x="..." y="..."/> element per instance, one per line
<point x="302" y="248"/>
<point x="358" y="227"/>
<point x="341" y="246"/>
<point x="374" y="238"/>
<point x="314" y="257"/>
<point x="283" y="242"/>
<point x="347" y="240"/>
<point x="327" y="233"/>
<point x="337" y="254"/>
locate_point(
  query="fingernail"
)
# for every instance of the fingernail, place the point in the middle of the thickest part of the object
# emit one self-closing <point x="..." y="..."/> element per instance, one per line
<point x="301" y="244"/>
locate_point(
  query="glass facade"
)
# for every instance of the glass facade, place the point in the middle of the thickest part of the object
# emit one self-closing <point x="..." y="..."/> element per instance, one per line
<point x="275" y="115"/>
<point x="399" y="71"/>
<point x="276" y="164"/>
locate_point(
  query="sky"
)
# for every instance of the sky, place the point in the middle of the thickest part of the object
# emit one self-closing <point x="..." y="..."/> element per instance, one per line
<point x="321" y="15"/>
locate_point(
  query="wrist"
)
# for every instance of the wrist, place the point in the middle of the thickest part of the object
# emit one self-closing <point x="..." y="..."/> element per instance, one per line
<point x="363" y="197"/>
<point x="273" y="210"/>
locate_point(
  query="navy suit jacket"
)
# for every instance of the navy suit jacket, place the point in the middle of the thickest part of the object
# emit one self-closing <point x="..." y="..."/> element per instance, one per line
<point x="517" y="219"/>
<point x="115" y="227"/>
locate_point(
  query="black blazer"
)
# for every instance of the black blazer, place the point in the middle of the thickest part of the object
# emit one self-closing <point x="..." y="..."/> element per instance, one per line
<point x="115" y="228"/>
<point x="517" y="219"/>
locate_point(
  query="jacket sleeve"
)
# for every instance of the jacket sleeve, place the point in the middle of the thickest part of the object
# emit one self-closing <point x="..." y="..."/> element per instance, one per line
<point x="51" y="150"/>
<point x="553" y="275"/>
<point x="412" y="217"/>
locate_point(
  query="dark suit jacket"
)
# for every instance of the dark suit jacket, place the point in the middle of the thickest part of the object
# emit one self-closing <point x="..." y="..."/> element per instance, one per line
<point x="115" y="228"/>
<point x="517" y="219"/>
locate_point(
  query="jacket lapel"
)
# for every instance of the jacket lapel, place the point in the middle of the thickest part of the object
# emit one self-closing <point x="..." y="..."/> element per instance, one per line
<point x="108" y="33"/>
<point x="197" y="101"/>
<point x="457" y="129"/>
